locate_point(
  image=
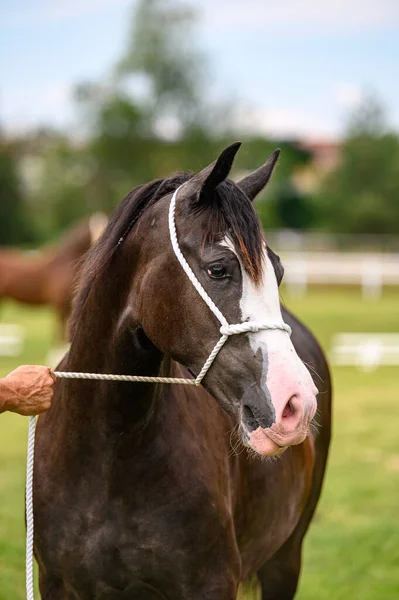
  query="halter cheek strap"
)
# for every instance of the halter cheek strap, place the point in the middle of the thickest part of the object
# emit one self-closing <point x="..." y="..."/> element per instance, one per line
<point x="226" y="329"/>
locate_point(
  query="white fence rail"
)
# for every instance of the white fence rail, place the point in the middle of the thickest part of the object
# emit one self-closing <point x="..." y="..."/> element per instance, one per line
<point x="11" y="339"/>
<point x="367" y="351"/>
<point x="371" y="271"/>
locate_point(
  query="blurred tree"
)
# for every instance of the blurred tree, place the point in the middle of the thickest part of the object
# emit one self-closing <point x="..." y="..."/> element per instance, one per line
<point x="13" y="217"/>
<point x="280" y="204"/>
<point x="120" y="147"/>
<point x="135" y="137"/>
<point x="150" y="119"/>
<point x="161" y="50"/>
<point x="59" y="197"/>
<point x="362" y="194"/>
<point x="293" y="208"/>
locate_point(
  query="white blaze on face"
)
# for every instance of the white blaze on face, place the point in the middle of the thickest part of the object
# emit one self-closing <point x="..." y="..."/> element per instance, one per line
<point x="284" y="374"/>
<point x="261" y="303"/>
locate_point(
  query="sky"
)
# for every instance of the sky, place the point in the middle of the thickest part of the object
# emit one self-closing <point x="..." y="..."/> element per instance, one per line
<point x="291" y="67"/>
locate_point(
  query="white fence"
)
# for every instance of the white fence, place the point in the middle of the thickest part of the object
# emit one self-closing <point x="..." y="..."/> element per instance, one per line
<point x="11" y="339"/>
<point x="367" y="351"/>
<point x="372" y="271"/>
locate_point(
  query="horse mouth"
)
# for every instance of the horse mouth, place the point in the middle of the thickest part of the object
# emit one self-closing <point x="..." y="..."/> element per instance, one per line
<point x="261" y="442"/>
<point x="276" y="438"/>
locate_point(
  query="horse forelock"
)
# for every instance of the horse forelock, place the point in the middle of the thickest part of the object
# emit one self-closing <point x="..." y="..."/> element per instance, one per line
<point x="230" y="213"/>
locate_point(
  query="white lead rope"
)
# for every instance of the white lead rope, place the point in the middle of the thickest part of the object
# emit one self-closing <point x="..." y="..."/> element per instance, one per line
<point x="29" y="509"/>
<point x="226" y="330"/>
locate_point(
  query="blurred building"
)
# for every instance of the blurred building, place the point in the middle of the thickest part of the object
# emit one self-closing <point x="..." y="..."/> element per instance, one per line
<point x="325" y="157"/>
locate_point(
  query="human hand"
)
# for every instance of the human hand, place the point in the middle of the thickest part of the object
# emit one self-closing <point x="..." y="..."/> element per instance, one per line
<point x="28" y="390"/>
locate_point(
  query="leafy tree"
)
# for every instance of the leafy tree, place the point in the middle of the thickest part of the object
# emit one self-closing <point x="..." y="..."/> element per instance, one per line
<point x="161" y="50"/>
<point x="13" y="223"/>
<point x="127" y="141"/>
<point x="127" y="144"/>
<point x="280" y="204"/>
<point x="293" y="209"/>
<point x="362" y="194"/>
<point x="61" y="195"/>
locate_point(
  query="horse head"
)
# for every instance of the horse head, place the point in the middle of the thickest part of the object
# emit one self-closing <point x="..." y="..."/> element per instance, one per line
<point x="257" y="377"/>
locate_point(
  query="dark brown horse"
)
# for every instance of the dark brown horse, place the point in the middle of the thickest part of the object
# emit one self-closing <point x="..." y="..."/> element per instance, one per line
<point x="47" y="277"/>
<point x="147" y="491"/>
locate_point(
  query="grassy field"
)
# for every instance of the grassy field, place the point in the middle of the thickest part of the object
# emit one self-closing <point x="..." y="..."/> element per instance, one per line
<point x="352" y="550"/>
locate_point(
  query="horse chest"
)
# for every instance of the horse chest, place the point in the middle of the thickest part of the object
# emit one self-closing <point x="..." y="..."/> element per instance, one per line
<point x="279" y="492"/>
<point x="110" y="543"/>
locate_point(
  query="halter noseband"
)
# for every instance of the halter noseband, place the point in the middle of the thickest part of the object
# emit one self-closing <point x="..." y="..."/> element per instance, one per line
<point x="226" y="329"/>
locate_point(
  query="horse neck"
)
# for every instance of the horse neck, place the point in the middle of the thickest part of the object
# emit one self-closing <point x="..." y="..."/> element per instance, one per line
<point x="106" y="342"/>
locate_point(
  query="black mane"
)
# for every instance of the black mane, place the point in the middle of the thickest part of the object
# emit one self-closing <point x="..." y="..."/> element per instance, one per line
<point x="120" y="224"/>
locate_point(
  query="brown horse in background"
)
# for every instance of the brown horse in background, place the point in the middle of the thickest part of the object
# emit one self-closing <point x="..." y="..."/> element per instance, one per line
<point x="47" y="277"/>
<point x="146" y="491"/>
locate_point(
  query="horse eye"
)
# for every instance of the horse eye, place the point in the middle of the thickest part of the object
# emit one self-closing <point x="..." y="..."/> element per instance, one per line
<point x="217" y="271"/>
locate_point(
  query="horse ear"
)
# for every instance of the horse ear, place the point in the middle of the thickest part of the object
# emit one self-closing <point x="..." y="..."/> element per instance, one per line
<point x="209" y="178"/>
<point x="256" y="181"/>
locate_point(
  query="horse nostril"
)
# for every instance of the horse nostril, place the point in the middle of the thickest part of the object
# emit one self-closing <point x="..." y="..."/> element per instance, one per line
<point x="249" y="417"/>
<point x="289" y="410"/>
<point x="255" y="417"/>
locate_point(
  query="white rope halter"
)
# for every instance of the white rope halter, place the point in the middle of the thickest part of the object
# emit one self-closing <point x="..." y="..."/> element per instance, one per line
<point x="226" y="330"/>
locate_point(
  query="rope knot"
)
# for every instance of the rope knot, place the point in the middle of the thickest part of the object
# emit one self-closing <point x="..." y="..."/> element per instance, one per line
<point x="247" y="327"/>
<point x="252" y="327"/>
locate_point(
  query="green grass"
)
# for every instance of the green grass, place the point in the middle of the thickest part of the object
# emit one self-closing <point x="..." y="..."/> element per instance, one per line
<point x="39" y="325"/>
<point x="352" y="549"/>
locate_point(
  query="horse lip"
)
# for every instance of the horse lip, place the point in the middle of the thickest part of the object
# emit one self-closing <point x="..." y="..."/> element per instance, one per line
<point x="247" y="435"/>
<point x="278" y="438"/>
<point x="280" y="448"/>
